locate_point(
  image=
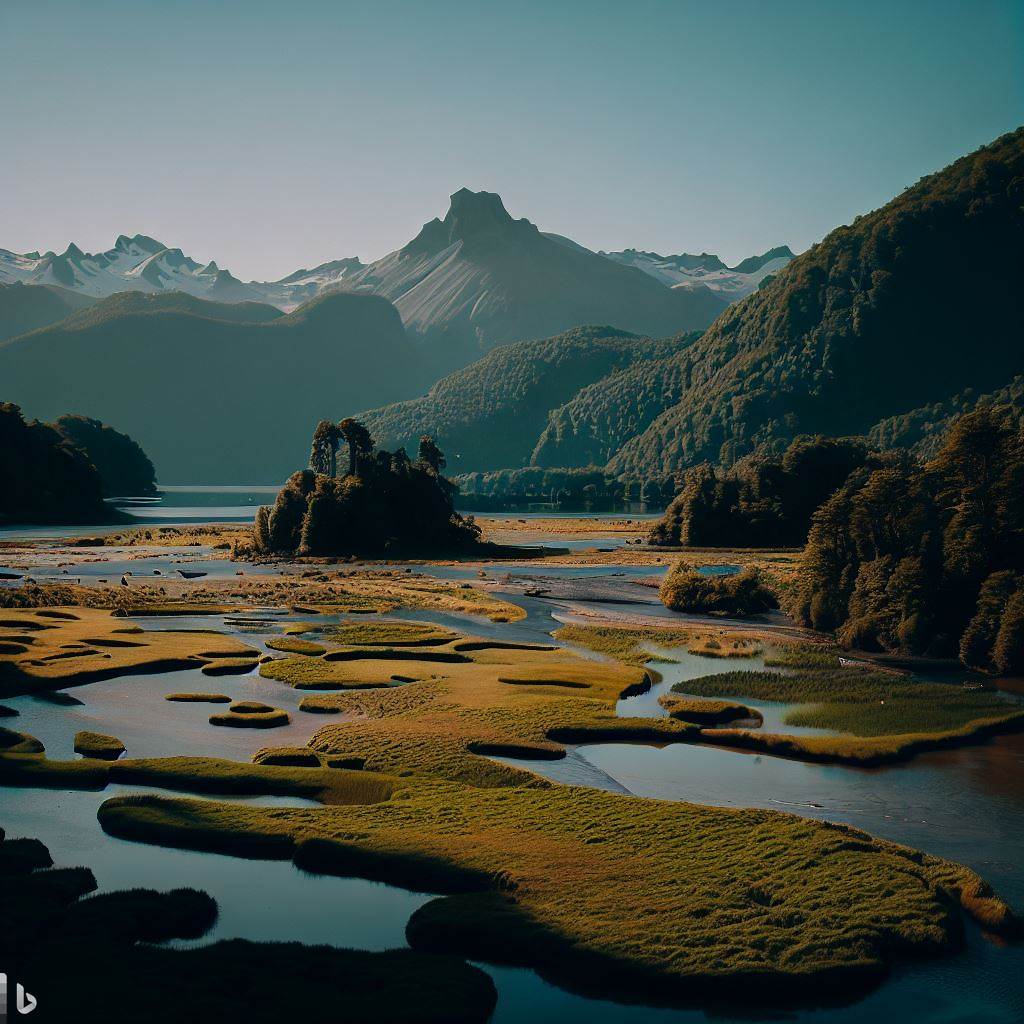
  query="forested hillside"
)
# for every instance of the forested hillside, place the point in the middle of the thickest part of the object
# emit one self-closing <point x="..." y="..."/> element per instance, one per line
<point x="492" y="413"/>
<point x="906" y="306"/>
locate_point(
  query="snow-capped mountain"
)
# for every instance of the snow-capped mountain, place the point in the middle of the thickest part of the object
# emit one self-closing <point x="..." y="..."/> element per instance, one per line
<point x="689" y="271"/>
<point x="141" y="263"/>
<point x="478" y="278"/>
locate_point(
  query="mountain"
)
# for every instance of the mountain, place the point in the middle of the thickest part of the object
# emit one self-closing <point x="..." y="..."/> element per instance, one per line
<point x="906" y="306"/>
<point x="491" y="414"/>
<point x="707" y="270"/>
<point x="478" y="279"/>
<point x="141" y="263"/>
<point x="24" y="307"/>
<point x="210" y="396"/>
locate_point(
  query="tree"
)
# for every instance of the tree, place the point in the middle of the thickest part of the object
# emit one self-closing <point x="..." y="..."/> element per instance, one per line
<point x="359" y="441"/>
<point x="324" y="454"/>
<point x="430" y="455"/>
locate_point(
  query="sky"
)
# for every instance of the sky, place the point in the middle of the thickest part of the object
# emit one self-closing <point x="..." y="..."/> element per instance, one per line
<point x="271" y="136"/>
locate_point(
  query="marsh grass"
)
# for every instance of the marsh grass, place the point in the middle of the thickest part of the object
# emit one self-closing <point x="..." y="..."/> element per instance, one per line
<point x="98" y="745"/>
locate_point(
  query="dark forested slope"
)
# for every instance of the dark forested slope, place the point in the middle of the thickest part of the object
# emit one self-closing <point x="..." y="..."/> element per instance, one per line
<point x="491" y="414"/>
<point x="906" y="306"/>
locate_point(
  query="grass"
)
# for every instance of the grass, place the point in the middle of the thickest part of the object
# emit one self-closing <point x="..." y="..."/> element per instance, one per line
<point x="705" y="712"/>
<point x="59" y="943"/>
<point x="88" y="645"/>
<point x="390" y="633"/>
<point x="804" y="656"/>
<point x="229" y="667"/>
<point x="670" y="897"/>
<point x="295" y="645"/>
<point x="631" y="644"/>
<point x="98" y="745"/>
<point x="204" y="698"/>
<point x="595" y="888"/>
<point x="251" y="715"/>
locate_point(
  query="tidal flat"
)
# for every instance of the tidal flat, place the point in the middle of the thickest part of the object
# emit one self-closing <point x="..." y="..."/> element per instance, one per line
<point x="443" y="780"/>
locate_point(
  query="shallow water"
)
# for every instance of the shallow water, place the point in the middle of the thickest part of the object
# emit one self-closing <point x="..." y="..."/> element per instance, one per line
<point x="967" y="805"/>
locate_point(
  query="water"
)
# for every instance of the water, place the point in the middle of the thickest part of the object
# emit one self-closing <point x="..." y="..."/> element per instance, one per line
<point x="965" y="804"/>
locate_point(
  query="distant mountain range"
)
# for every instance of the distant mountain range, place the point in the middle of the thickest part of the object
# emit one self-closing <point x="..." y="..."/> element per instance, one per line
<point x="464" y="284"/>
<point x="141" y="263"/>
<point x="859" y="334"/>
<point x="214" y="392"/>
<point x="707" y="270"/>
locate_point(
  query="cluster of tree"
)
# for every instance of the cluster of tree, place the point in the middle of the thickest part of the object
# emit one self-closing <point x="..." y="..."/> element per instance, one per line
<point x="923" y="430"/>
<point x="759" y="501"/>
<point x="741" y="594"/>
<point x="124" y="468"/>
<point x="46" y="478"/>
<point x="859" y="327"/>
<point x="382" y="503"/>
<point x="926" y="558"/>
<point x="585" y="486"/>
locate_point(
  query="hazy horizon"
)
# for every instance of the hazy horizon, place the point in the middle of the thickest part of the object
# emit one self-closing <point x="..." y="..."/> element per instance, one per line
<point x="271" y="139"/>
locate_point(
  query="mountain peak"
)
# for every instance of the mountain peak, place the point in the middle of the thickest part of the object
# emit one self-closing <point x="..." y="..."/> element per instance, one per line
<point x="472" y="212"/>
<point x="144" y="242"/>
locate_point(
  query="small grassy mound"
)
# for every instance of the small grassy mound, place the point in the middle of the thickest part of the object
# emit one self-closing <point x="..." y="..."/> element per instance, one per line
<point x="705" y="712"/>
<point x="202" y="698"/>
<point x="251" y="715"/>
<point x="229" y="667"/>
<point x="295" y="645"/>
<point x="12" y="742"/>
<point x="98" y="745"/>
<point x="390" y="633"/>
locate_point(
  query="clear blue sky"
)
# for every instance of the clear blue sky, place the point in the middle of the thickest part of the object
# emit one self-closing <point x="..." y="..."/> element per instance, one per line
<point x="274" y="135"/>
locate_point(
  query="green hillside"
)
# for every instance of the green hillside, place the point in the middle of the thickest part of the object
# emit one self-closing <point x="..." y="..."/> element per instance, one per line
<point x="906" y="306"/>
<point x="212" y="400"/>
<point x="25" y="307"/>
<point x="491" y="414"/>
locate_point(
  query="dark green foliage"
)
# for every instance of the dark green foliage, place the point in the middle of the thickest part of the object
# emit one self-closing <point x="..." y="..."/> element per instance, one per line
<point x="759" y="501"/>
<point x="492" y="414"/>
<point x="45" y="478"/>
<point x="588" y="484"/>
<point x="123" y="466"/>
<point x="861" y="326"/>
<point x="744" y="593"/>
<point x="923" y="430"/>
<point x="926" y="559"/>
<point x="384" y="504"/>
